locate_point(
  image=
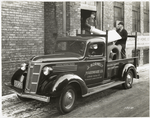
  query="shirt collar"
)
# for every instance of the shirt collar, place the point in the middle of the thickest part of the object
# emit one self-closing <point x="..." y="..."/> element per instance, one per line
<point x="120" y="30"/>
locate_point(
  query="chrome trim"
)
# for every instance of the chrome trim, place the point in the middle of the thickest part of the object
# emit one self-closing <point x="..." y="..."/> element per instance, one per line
<point x="29" y="80"/>
<point x="28" y="95"/>
<point x="102" y="87"/>
<point x="27" y="86"/>
<point x="34" y="82"/>
<point x="32" y="92"/>
<point x="36" y="73"/>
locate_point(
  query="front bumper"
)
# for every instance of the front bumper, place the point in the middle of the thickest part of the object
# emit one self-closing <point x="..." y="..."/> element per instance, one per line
<point x="28" y="95"/>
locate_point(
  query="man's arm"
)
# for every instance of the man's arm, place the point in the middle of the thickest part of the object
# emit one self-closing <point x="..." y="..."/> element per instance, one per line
<point x="87" y="23"/>
<point x="95" y="23"/>
<point x="124" y="35"/>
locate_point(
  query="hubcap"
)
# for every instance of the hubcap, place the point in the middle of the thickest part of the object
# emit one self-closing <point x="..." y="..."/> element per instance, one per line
<point x="129" y="79"/>
<point x="69" y="98"/>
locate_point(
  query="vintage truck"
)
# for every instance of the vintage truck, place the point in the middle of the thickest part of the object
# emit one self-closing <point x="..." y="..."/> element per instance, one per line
<point x="81" y="65"/>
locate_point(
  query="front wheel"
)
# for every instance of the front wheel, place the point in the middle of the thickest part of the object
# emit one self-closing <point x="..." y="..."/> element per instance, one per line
<point x="67" y="100"/>
<point x="128" y="80"/>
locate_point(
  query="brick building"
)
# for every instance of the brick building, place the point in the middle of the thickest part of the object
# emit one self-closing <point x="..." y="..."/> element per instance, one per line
<point x="31" y="28"/>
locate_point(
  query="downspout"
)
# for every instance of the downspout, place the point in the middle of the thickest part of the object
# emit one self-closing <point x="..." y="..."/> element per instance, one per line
<point x="102" y="15"/>
<point x="106" y="53"/>
<point x="64" y="18"/>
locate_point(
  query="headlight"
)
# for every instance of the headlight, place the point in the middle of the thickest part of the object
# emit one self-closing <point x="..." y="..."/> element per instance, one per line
<point x="47" y="70"/>
<point x="23" y="66"/>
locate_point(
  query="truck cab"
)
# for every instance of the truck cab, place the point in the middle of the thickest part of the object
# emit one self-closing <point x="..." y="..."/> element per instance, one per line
<point x="80" y="66"/>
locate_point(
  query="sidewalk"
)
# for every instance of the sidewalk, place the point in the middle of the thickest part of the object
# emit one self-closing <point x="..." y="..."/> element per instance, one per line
<point x="143" y="67"/>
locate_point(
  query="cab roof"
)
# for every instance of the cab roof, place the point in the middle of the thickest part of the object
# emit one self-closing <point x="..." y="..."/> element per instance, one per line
<point x="79" y="38"/>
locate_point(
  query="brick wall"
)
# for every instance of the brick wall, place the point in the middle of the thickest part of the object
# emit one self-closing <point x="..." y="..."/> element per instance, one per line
<point x="75" y="18"/>
<point x="50" y="26"/>
<point x="128" y="27"/>
<point x="142" y="17"/>
<point x="108" y="15"/>
<point x="128" y="16"/>
<point x="53" y="19"/>
<point x="68" y="18"/>
<point x="22" y="34"/>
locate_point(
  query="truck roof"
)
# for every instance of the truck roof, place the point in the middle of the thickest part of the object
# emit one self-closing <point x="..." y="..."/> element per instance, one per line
<point x="112" y="36"/>
<point x="79" y="38"/>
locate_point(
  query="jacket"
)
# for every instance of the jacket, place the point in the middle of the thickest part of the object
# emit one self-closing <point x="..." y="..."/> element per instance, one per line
<point x="124" y="35"/>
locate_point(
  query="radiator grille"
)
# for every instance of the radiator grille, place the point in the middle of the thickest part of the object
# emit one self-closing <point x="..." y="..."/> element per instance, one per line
<point x="32" y="78"/>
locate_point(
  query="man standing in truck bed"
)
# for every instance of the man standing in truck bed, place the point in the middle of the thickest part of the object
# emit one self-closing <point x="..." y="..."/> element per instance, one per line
<point x="123" y="33"/>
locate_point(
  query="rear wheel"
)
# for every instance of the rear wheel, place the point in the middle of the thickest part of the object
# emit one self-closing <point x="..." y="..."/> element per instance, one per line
<point x="128" y="80"/>
<point x="67" y="100"/>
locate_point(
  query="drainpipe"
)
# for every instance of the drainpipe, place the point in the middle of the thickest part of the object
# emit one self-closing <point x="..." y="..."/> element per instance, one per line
<point x="64" y="18"/>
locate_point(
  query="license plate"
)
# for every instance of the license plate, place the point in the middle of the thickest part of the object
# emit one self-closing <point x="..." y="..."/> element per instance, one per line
<point x="18" y="84"/>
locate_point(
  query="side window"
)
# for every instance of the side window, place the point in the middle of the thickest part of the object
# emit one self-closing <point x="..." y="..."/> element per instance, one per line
<point x="61" y="46"/>
<point x="96" y="49"/>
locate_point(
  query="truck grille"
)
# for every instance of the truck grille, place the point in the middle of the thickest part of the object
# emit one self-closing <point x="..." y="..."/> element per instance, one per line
<point x="32" y="78"/>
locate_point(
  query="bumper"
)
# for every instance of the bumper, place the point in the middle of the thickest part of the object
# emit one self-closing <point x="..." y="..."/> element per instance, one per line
<point x="28" y="95"/>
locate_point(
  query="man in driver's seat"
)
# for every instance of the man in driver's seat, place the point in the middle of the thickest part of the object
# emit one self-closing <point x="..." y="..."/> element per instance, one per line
<point x="93" y="49"/>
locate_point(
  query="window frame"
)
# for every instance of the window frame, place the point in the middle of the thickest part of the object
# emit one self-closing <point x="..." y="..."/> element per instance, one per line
<point x="136" y="8"/>
<point x="146" y="21"/>
<point x="95" y="56"/>
<point x="119" y="5"/>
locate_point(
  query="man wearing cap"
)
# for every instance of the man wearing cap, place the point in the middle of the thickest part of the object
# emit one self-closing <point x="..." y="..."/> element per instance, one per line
<point x="90" y="22"/>
<point x="123" y="33"/>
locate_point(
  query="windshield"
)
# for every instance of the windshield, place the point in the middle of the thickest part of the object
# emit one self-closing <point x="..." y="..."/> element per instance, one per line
<point x="71" y="46"/>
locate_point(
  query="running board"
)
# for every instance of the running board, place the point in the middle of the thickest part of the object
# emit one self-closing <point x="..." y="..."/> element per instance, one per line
<point x="102" y="87"/>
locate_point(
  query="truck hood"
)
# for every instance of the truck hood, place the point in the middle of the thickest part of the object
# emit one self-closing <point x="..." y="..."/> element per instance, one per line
<point x="57" y="57"/>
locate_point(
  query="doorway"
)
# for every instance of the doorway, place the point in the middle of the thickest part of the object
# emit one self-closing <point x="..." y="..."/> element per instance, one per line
<point x="84" y="15"/>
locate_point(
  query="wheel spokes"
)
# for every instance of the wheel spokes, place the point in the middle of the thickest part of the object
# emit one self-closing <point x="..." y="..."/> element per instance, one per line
<point x="69" y="98"/>
<point x="129" y="80"/>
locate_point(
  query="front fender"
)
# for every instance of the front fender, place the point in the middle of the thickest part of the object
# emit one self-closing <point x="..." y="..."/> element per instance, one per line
<point x="17" y="75"/>
<point x="126" y="68"/>
<point x="66" y="79"/>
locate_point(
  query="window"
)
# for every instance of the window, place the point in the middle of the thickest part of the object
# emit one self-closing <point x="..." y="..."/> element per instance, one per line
<point x="118" y="12"/>
<point x="146" y="16"/>
<point x="74" y="46"/>
<point x="96" y="49"/>
<point x="136" y="16"/>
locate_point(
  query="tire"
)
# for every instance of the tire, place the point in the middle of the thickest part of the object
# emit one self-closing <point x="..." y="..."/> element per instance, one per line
<point x="67" y="100"/>
<point x="128" y="80"/>
<point x="113" y="49"/>
<point x="24" y="99"/>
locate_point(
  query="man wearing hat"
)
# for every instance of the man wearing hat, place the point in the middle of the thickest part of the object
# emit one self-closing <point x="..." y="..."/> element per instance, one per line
<point x="90" y="22"/>
<point x="124" y="34"/>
